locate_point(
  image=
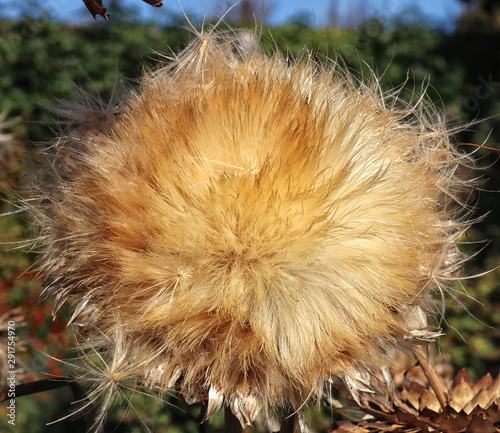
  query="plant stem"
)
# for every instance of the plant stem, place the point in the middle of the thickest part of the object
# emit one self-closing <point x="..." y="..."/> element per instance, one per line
<point x="231" y="423"/>
<point x="38" y="386"/>
<point x="289" y="420"/>
<point x="203" y="427"/>
<point x="432" y="376"/>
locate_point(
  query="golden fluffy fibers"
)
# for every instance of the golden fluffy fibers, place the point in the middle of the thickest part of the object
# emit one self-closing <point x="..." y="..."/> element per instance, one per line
<point x="250" y="228"/>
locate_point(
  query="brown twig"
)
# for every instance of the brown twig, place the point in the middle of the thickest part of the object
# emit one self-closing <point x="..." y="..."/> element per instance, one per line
<point x="432" y="376"/>
<point x="289" y="420"/>
<point x="37" y="386"/>
<point x="203" y="426"/>
<point x="231" y="423"/>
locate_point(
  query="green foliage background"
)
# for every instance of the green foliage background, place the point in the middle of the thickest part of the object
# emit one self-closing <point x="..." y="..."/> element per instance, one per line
<point x="41" y="61"/>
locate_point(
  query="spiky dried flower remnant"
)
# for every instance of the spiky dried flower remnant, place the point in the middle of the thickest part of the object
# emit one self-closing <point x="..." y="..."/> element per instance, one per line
<point x="250" y="228"/>
<point x="469" y="407"/>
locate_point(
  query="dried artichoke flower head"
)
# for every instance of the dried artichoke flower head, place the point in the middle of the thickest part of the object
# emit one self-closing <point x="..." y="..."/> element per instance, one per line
<point x="251" y="228"/>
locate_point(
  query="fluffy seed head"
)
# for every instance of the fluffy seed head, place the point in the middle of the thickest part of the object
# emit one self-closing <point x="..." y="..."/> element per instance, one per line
<point x="250" y="227"/>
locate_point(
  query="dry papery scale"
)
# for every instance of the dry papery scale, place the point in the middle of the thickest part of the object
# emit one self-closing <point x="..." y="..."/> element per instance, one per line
<point x="428" y="398"/>
<point x="256" y="230"/>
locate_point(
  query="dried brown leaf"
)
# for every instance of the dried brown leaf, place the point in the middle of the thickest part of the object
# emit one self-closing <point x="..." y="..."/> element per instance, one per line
<point x="385" y="428"/>
<point x="485" y="382"/>
<point x="428" y="417"/>
<point x="430" y="401"/>
<point x="481" y="399"/>
<point x="494" y="414"/>
<point x="402" y="406"/>
<point x="463" y="376"/>
<point x="460" y="396"/>
<point x="494" y="391"/>
<point x="154" y="3"/>
<point x="480" y="424"/>
<point x="95" y="8"/>
<point x="455" y="423"/>
<point x="413" y="393"/>
<point x="407" y="419"/>
<point x="347" y="427"/>
<point x="461" y="392"/>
